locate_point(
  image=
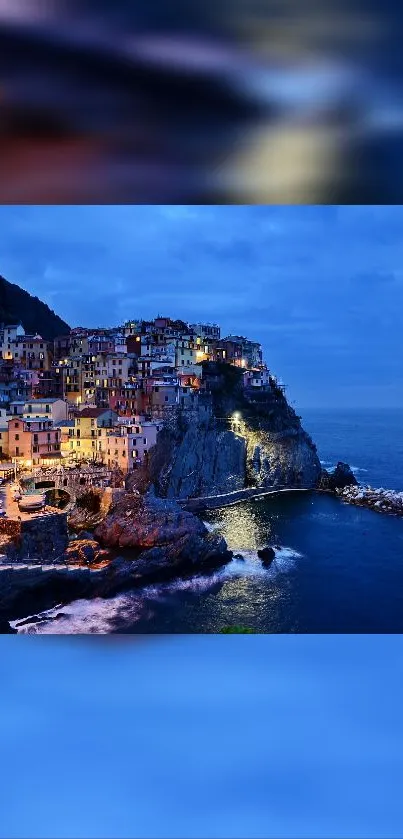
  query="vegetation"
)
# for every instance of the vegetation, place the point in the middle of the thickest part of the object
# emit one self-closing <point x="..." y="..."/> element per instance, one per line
<point x="237" y="630"/>
<point x="17" y="306"/>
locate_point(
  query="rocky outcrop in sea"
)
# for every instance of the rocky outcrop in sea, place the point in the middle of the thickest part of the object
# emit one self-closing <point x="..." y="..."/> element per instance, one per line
<point x="340" y="477"/>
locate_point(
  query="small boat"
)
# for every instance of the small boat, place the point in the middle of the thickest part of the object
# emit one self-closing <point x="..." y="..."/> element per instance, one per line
<point x="31" y="502"/>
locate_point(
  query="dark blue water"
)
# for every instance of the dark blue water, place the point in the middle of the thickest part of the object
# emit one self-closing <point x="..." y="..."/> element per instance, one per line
<point x="370" y="441"/>
<point x="340" y="568"/>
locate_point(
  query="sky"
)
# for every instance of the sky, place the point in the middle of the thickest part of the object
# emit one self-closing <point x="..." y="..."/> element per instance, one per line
<point x="321" y="287"/>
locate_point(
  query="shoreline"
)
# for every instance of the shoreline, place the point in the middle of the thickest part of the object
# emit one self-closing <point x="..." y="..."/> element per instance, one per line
<point x="31" y="588"/>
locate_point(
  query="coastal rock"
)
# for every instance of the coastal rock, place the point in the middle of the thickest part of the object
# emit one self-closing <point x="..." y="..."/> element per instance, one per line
<point x="162" y="534"/>
<point x="340" y="477"/>
<point x="82" y="551"/>
<point x="266" y="555"/>
<point x="380" y="500"/>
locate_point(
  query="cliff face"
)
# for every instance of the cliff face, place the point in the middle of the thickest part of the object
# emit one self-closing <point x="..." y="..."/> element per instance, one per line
<point x="200" y="453"/>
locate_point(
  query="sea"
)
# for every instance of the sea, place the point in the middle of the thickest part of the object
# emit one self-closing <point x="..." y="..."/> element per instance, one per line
<point x="337" y="569"/>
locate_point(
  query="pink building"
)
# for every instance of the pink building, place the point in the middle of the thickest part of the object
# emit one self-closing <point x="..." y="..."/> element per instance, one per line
<point x="33" y="442"/>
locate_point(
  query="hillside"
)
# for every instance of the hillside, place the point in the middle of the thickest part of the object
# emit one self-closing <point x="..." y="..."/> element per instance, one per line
<point x="17" y="305"/>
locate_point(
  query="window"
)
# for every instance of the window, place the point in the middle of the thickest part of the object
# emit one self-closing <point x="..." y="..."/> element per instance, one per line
<point x="17" y="436"/>
<point x="78" y="444"/>
<point x="17" y="451"/>
<point x="47" y="409"/>
<point x="145" y="440"/>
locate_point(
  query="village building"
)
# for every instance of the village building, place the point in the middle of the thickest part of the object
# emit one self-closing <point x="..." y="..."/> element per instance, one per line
<point x="33" y="442"/>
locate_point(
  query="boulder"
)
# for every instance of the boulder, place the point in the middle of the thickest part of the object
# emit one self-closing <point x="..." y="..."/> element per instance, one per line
<point x="82" y="551"/>
<point x="340" y="477"/>
<point x="162" y="533"/>
<point x="266" y="555"/>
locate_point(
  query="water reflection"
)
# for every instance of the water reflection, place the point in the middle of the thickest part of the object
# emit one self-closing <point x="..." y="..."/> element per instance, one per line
<point x="243" y="527"/>
<point x="201" y="737"/>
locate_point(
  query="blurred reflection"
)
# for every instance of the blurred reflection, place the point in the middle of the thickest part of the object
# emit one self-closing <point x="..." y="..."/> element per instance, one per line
<point x="177" y="101"/>
<point x="201" y="738"/>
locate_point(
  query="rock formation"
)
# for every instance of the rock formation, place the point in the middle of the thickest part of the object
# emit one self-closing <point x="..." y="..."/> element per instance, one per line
<point x="206" y="451"/>
<point x="341" y="477"/>
<point x="162" y="533"/>
<point x="266" y="555"/>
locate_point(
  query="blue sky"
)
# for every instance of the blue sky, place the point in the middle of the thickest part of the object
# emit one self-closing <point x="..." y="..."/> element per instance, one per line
<point x="320" y="287"/>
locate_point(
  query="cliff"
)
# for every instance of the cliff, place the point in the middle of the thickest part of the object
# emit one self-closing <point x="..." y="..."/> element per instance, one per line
<point x="18" y="306"/>
<point x="234" y="438"/>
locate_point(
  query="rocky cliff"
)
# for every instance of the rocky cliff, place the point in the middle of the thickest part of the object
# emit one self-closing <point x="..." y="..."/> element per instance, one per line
<point x="234" y="438"/>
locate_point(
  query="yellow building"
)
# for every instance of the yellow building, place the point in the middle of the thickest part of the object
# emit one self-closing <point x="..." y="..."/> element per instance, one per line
<point x="86" y="430"/>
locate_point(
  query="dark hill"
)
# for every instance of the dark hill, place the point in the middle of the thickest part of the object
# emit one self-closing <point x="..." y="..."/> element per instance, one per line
<point x="17" y="306"/>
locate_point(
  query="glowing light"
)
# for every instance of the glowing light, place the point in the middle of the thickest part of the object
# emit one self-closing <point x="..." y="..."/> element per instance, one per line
<point x="236" y="417"/>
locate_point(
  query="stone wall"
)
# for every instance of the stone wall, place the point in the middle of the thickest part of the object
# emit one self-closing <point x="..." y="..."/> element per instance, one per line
<point x="40" y="539"/>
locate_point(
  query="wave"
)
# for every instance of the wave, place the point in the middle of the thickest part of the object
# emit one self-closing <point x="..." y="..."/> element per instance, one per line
<point x="211" y="526"/>
<point x="105" y="616"/>
<point x="97" y="616"/>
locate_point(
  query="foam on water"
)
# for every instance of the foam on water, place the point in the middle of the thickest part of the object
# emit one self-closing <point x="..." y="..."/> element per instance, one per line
<point x="103" y="616"/>
<point x="98" y="616"/>
<point x="211" y="526"/>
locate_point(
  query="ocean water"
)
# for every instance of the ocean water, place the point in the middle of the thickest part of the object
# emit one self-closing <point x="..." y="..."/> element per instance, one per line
<point x="370" y="441"/>
<point x="338" y="568"/>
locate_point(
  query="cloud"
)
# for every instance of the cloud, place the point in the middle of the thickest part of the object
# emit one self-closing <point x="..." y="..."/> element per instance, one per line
<point x="321" y="287"/>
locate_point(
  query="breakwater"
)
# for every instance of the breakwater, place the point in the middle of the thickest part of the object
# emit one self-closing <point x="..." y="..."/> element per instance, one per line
<point x="381" y="500"/>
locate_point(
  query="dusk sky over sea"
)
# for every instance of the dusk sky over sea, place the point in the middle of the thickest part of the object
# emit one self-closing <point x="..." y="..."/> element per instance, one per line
<point x="321" y="287"/>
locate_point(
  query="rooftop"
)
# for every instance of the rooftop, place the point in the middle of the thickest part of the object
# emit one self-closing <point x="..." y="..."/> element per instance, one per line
<point x="43" y="401"/>
<point x="92" y="412"/>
